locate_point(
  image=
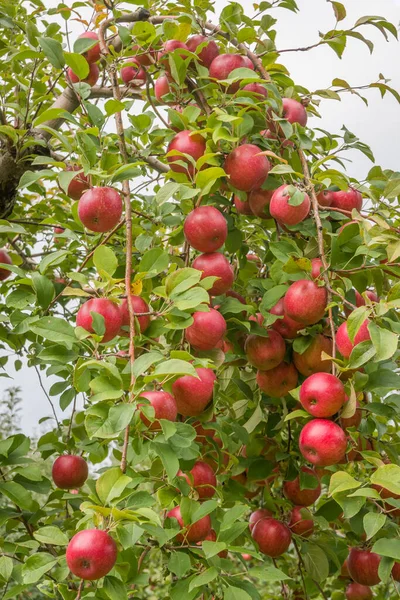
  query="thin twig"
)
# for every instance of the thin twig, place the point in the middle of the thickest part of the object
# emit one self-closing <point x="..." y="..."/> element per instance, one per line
<point x="48" y="397"/>
<point x="78" y="596"/>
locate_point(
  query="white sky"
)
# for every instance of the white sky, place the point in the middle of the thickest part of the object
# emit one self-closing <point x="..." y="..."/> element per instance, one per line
<point x="378" y="125"/>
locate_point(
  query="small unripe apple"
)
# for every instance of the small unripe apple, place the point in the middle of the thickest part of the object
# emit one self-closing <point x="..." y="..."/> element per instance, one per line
<point x="91" y="554"/>
<point x="196" y="532"/>
<point x="322" y="395"/>
<point x="91" y="78"/>
<point x="247" y="167"/>
<point x="281" y="209"/>
<point x="93" y="54"/>
<point x="205" y="229"/>
<point x="202" y="479"/>
<point x="311" y="361"/>
<point x="77" y="185"/>
<point x="305" y="302"/>
<point x="100" y="209"/>
<point x="286" y="326"/>
<point x="164" y="406"/>
<point x="279" y="381"/>
<point x="209" y="51"/>
<point x="322" y="442"/>
<point x="104" y="307"/>
<point x="214" y="264"/>
<point x="6" y="259"/>
<point x="259" y="202"/>
<point x="273" y="537"/>
<point x="302" y="497"/>
<point x="207" y="329"/>
<point x="265" y="353"/>
<point x="139" y="306"/>
<point x="186" y="142"/>
<point x="69" y="471"/>
<point x="301" y="522"/>
<point x="133" y="73"/>
<point x="343" y="342"/>
<point x="192" y="394"/>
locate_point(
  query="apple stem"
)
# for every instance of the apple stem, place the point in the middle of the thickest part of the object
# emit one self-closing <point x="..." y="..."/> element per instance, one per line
<point x="80" y="588"/>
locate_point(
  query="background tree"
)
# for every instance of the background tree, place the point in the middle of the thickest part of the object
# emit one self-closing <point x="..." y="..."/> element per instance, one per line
<point x="180" y="248"/>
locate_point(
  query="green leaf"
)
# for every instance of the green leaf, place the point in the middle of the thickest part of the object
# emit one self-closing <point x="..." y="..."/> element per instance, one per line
<point x="6" y="567"/>
<point x="179" y="563"/>
<point x="55" y="330"/>
<point x="145" y="361"/>
<point x="78" y="64"/>
<point x="111" y="484"/>
<point x="355" y="320"/>
<point x="315" y="562"/>
<point x="385" y="342"/>
<point x="169" y="459"/>
<point x="235" y="593"/>
<point x="115" y="588"/>
<point x="105" y="260"/>
<point x="206" y="508"/>
<point x="268" y="574"/>
<point x="373" y="522"/>
<point x="36" y="566"/>
<point x="206" y="178"/>
<point x="17" y="494"/>
<point x="51" y="535"/>
<point x="154" y="261"/>
<point x="388" y="477"/>
<point x="387" y="547"/>
<point x="339" y="10"/>
<point x="118" y="418"/>
<point x="44" y="289"/>
<point x="53" y="51"/>
<point x="175" y="366"/>
<point x="52" y="260"/>
<point x="342" y="481"/>
<point x="211" y="549"/>
<point x="113" y="106"/>
<point x="204" y="578"/>
<point x="181" y="280"/>
<point x="125" y="172"/>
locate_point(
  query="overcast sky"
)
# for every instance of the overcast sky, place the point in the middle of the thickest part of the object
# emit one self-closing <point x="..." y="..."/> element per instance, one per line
<point x="378" y="125"/>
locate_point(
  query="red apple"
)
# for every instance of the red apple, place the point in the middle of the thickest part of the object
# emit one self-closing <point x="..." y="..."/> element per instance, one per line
<point x="285" y="326"/>
<point x="360" y="300"/>
<point x="247" y="556"/>
<point x="257" y="89"/>
<point x="209" y="51"/>
<point x="205" y="229"/>
<point x="243" y="207"/>
<point x="363" y="566"/>
<point x="214" y="264"/>
<point x="247" y="167"/>
<point x="302" y="497"/>
<point x="56" y="230"/>
<point x="356" y="591"/>
<point x="186" y="142"/>
<point x="279" y="381"/>
<point x="202" y="479"/>
<point x="316" y="268"/>
<point x="93" y="54"/>
<point x="144" y="57"/>
<point x="294" y="111"/>
<point x="396" y="571"/>
<point x="305" y="302"/>
<point x="223" y="65"/>
<point x="322" y="442"/>
<point x="310" y="361"/>
<point x="267" y="133"/>
<point x="347" y="200"/>
<point x="91" y="554"/>
<point x="325" y="198"/>
<point x="69" y="471"/>
<point x="272" y="537"/>
<point x="344" y="571"/>
<point x="171" y="46"/>
<point x="343" y="343"/>
<point x="5" y="259"/>
<point x="139" y="306"/>
<point x="91" y="78"/>
<point x="265" y="353"/>
<point x="207" y="330"/>
<point x="259" y="201"/>
<point x="162" y="87"/>
<point x="192" y="394"/>
<point x="281" y="209"/>
<point x="301" y="522"/>
<point x="104" y="307"/>
<point x="260" y="513"/>
<point x="196" y="532"/>
<point x="322" y="395"/>
<point x="100" y="209"/>
<point x="133" y="73"/>
<point x="164" y="408"/>
<point x="78" y="184"/>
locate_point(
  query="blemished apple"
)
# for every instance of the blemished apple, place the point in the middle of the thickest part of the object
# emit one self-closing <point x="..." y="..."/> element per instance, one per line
<point x="77" y="185"/>
<point x="347" y="200"/>
<point x="133" y="73"/>
<point x="187" y="142"/>
<point x="322" y="395"/>
<point x="243" y="206"/>
<point x="93" y="54"/>
<point x="301" y="522"/>
<point x="356" y="591"/>
<point x="5" y="258"/>
<point x="259" y="201"/>
<point x="353" y="421"/>
<point x="247" y="167"/>
<point x="305" y="302"/>
<point x="192" y="394"/>
<point x="214" y="264"/>
<point x="91" y="554"/>
<point x="110" y="311"/>
<point x="69" y="471"/>
<point x="100" y="209"/>
<point x="311" y="361"/>
<point x="223" y="65"/>
<point x="168" y="47"/>
<point x="294" y="112"/>
<point x="207" y="329"/>
<point x="260" y="513"/>
<point x="208" y="52"/>
<point x="279" y="381"/>
<point x="202" y="479"/>
<point x="272" y="537"/>
<point x="343" y="342"/>
<point x="322" y="442"/>
<point x="164" y="405"/>
<point x="91" y="78"/>
<point x="162" y="87"/>
<point x="257" y="89"/>
<point x="302" y="497"/>
<point x="363" y="566"/>
<point x="205" y="229"/>
<point x="139" y="306"/>
<point x="265" y="353"/>
<point x="196" y="532"/>
<point x="325" y="198"/>
<point x="281" y="209"/>
<point x="287" y="327"/>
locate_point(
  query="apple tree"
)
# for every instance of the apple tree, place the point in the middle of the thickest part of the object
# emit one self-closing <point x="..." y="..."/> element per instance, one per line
<point x="216" y="298"/>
